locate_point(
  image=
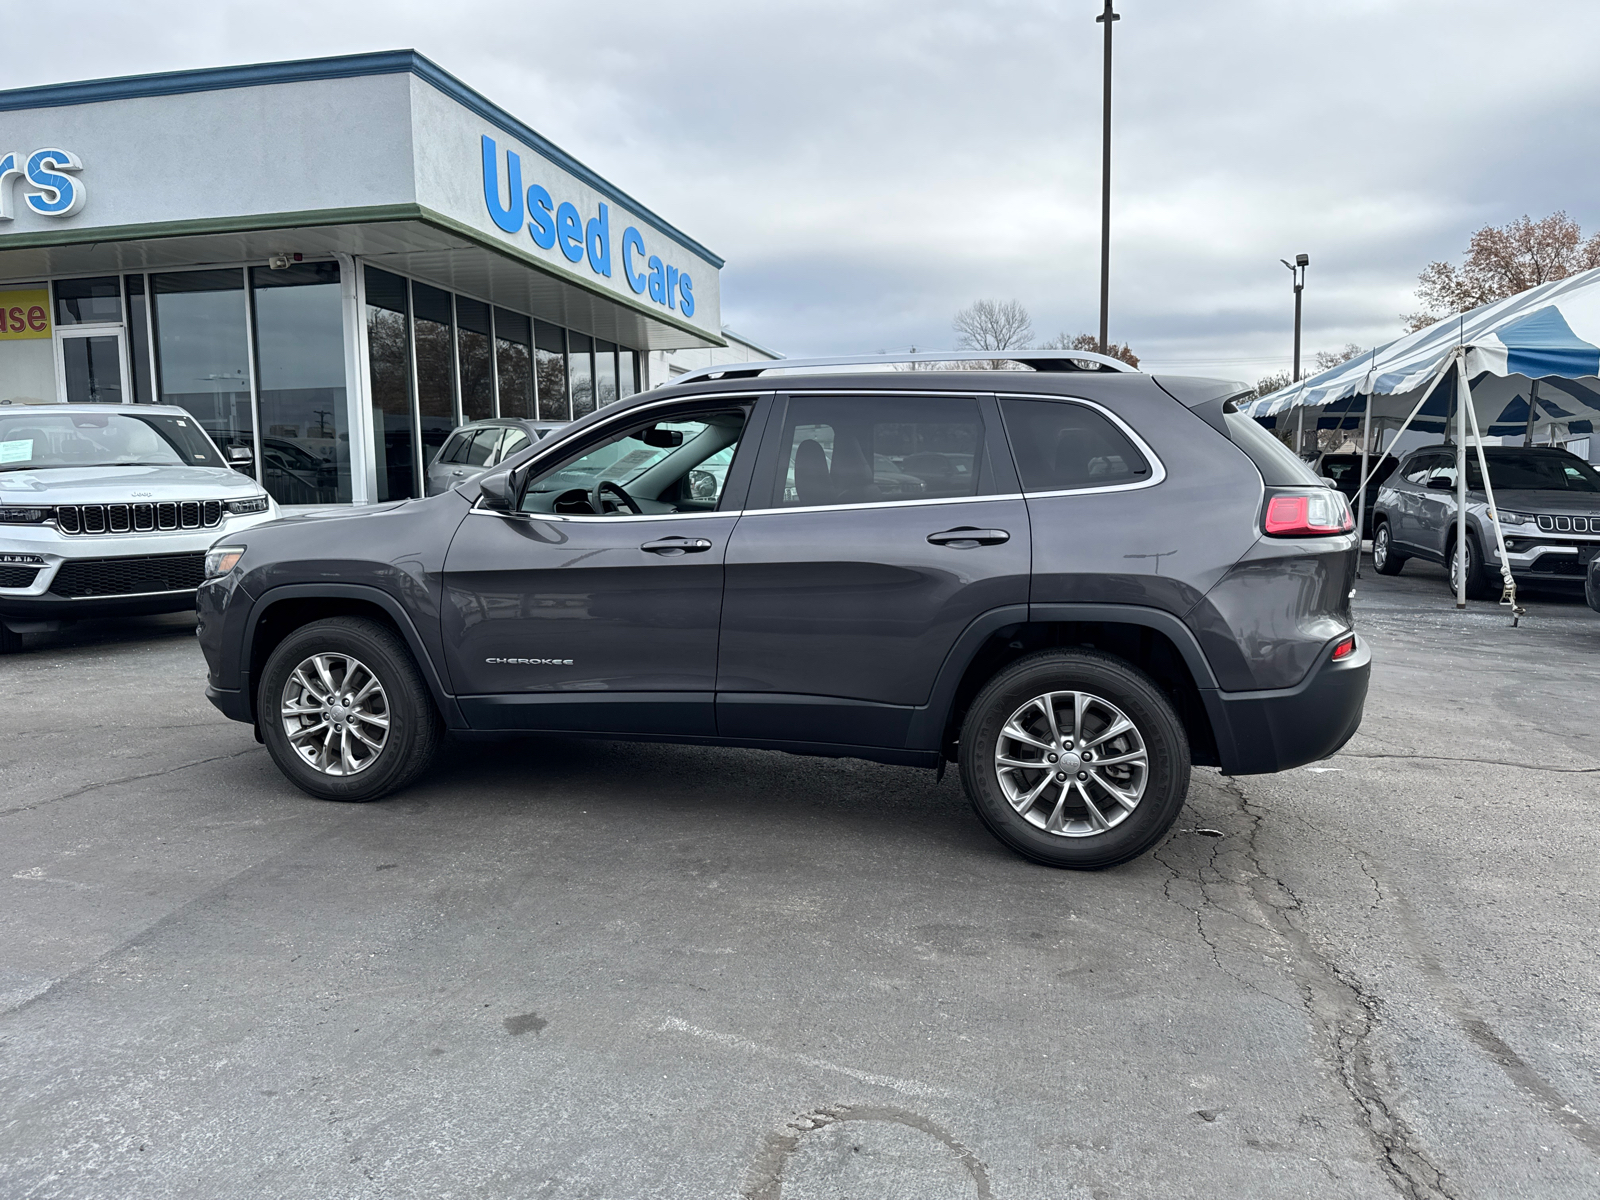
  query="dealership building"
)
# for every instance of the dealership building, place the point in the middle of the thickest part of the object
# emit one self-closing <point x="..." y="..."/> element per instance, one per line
<point x="330" y="262"/>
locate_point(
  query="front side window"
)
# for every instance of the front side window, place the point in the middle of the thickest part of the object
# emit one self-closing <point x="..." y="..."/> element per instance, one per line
<point x="481" y="449"/>
<point x="878" y="449"/>
<point x="676" y="465"/>
<point x="1417" y="469"/>
<point x="1060" y="446"/>
<point x="31" y="440"/>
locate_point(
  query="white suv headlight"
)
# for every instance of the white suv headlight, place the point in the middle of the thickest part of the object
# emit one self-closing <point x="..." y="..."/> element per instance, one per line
<point x="253" y="504"/>
<point x="1516" y="518"/>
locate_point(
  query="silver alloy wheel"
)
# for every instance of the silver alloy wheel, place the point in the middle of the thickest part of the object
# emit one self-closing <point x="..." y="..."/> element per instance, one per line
<point x="1380" y="547"/>
<point x="1071" y="764"/>
<point x="335" y="714"/>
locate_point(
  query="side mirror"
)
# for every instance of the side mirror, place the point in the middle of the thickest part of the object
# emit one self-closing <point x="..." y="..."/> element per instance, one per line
<point x="497" y="491"/>
<point x="241" y="458"/>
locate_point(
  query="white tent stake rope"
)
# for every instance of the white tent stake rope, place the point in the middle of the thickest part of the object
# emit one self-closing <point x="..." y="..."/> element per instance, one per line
<point x="1508" y="585"/>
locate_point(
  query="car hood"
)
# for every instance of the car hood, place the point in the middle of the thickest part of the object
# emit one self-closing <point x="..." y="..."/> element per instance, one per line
<point x="1580" y="504"/>
<point x="109" y="485"/>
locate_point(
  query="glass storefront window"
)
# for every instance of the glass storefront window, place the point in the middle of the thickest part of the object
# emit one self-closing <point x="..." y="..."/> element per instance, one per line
<point x="93" y="369"/>
<point x="305" y="431"/>
<point x="436" y="369"/>
<point x="513" y="356"/>
<point x="89" y="301"/>
<point x="138" y="338"/>
<point x="27" y="346"/>
<point x="203" y="356"/>
<point x="477" y="359"/>
<point x="627" y="373"/>
<point x="550" y="351"/>
<point x="605" y="371"/>
<point x="580" y="373"/>
<point x="389" y="367"/>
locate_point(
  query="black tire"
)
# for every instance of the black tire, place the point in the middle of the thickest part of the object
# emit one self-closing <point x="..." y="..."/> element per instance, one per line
<point x="10" y="640"/>
<point x="413" y="730"/>
<point x="1114" y="683"/>
<point x="1386" y="560"/>
<point x="1479" y="586"/>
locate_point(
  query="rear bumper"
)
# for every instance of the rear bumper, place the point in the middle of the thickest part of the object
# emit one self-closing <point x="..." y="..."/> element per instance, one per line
<point x="1261" y="732"/>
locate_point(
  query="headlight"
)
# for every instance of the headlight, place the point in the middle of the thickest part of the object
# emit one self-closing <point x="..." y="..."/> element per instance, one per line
<point x="1516" y="518"/>
<point x="24" y="516"/>
<point x="254" y="504"/>
<point x="222" y="559"/>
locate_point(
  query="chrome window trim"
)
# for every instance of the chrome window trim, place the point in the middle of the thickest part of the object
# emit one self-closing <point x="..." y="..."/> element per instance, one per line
<point x="926" y="501"/>
<point x="612" y="519"/>
<point x="1158" y="469"/>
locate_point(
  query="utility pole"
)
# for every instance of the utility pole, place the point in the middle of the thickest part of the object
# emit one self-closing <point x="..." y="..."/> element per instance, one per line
<point x="1297" y="269"/>
<point x="1106" y="18"/>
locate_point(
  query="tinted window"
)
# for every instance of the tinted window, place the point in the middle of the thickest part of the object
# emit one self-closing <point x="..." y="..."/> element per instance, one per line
<point x="515" y="440"/>
<point x="455" y="450"/>
<point x="1534" y="472"/>
<point x="868" y="450"/>
<point x="1279" y="465"/>
<point x="1061" y="446"/>
<point x="1417" y="469"/>
<point x="483" y="444"/>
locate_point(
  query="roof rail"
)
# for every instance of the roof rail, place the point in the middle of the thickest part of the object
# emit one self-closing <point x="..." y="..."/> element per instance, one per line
<point x="1039" y="360"/>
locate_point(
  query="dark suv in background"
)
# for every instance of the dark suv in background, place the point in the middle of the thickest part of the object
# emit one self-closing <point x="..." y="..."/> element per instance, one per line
<point x="1075" y="581"/>
<point x="1548" y="503"/>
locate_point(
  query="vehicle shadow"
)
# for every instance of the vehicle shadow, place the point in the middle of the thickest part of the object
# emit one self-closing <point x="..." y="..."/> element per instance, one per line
<point x="161" y="628"/>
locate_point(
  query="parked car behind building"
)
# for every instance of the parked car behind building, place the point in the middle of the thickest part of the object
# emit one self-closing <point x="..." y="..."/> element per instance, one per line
<point x="479" y="446"/>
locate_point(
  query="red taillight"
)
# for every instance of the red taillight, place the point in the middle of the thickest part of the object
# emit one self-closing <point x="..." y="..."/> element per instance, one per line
<point x="1345" y="648"/>
<point x="1320" y="513"/>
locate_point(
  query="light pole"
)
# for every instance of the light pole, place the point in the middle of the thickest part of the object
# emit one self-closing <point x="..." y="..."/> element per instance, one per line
<point x="1297" y="269"/>
<point x="1106" y="18"/>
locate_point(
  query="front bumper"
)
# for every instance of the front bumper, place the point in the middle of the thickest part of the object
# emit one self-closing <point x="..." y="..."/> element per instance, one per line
<point x="1546" y="558"/>
<point x="49" y="596"/>
<point x="1261" y="732"/>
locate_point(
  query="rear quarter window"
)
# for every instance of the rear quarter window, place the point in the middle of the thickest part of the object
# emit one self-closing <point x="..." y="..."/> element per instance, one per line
<point x="1061" y="446"/>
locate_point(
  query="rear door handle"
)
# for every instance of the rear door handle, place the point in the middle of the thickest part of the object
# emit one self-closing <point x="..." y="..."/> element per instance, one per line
<point x="671" y="547"/>
<point x="966" y="537"/>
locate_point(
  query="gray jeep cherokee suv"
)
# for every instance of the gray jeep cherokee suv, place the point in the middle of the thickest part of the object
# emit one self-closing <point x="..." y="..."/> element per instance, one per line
<point x="1074" y="581"/>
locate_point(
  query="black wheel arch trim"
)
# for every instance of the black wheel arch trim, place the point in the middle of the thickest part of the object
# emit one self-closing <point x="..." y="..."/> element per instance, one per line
<point x="446" y="702"/>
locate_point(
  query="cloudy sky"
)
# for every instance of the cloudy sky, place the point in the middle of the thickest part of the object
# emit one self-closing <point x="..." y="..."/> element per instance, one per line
<point x="868" y="167"/>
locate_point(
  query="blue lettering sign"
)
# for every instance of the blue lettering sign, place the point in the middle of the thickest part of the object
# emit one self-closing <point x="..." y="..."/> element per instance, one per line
<point x="55" y="195"/>
<point x="632" y="244"/>
<point x="541" y="217"/>
<point x="597" y="236"/>
<point x="510" y="217"/>
<point x="569" y="231"/>
<point x="686" y="292"/>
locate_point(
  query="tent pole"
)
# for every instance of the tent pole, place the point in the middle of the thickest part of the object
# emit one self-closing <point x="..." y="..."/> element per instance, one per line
<point x="1361" y="491"/>
<point x="1461" y="485"/>
<point x="1533" y="408"/>
<point x="1300" y="432"/>
<point x="1508" y="585"/>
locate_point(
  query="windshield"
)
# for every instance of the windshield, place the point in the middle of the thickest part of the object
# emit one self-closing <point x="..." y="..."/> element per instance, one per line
<point x="1533" y="472"/>
<point x="34" y="440"/>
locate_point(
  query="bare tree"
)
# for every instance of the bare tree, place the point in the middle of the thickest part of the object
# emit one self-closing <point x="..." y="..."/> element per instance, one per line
<point x="1088" y="341"/>
<point x="1324" y="360"/>
<point x="993" y="325"/>
<point x="1502" y="261"/>
<point x="1275" y="382"/>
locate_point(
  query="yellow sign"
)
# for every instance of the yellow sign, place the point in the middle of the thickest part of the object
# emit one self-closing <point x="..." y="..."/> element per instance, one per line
<point x="24" y="315"/>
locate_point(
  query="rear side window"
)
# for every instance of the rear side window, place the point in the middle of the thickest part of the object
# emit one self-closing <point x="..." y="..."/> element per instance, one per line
<point x="1279" y="465"/>
<point x="515" y="440"/>
<point x="1060" y="446"/>
<point x="483" y="444"/>
<point x="874" y="449"/>
<point x="1417" y="469"/>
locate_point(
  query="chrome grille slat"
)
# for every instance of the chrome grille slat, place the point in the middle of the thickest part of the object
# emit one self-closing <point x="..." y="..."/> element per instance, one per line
<point x="139" y="517"/>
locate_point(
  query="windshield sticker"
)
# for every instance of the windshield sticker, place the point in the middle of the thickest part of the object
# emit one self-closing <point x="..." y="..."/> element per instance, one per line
<point x="21" y="451"/>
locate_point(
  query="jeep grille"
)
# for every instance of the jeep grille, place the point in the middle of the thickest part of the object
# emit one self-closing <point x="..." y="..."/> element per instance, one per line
<point x="143" y="517"/>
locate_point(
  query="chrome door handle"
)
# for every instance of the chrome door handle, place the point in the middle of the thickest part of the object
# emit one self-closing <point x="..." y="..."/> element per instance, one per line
<point x="965" y="538"/>
<point x="671" y="547"/>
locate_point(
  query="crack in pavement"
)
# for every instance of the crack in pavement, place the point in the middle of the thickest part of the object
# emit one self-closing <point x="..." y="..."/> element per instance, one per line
<point x="1488" y="762"/>
<point x="105" y="783"/>
<point x="1346" y="1015"/>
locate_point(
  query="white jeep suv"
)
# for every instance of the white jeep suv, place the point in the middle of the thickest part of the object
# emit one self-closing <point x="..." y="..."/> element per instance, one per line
<point x="110" y="509"/>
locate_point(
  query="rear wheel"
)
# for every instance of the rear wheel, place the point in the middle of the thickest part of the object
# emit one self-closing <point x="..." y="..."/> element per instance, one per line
<point x="1478" y="585"/>
<point x="1074" y="759"/>
<point x="344" y="711"/>
<point x="1385" y="559"/>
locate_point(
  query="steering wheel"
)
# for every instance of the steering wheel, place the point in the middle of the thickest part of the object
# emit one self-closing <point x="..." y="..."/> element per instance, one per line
<point x="597" y="498"/>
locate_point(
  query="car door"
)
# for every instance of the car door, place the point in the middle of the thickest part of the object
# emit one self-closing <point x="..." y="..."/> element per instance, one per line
<point x="1408" y="489"/>
<point x="880" y="525"/>
<point x="1436" y="506"/>
<point x="557" y="617"/>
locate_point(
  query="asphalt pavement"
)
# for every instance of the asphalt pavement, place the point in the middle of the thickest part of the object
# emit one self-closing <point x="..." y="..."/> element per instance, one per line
<point x="563" y="968"/>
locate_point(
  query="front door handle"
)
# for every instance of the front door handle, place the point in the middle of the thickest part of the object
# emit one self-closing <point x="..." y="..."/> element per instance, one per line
<point x="671" y="547"/>
<point x="966" y="537"/>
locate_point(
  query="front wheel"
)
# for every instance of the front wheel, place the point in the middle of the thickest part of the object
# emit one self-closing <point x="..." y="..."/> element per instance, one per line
<point x="1385" y="560"/>
<point x="1074" y="759"/>
<point x="344" y="711"/>
<point x="1478" y="586"/>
